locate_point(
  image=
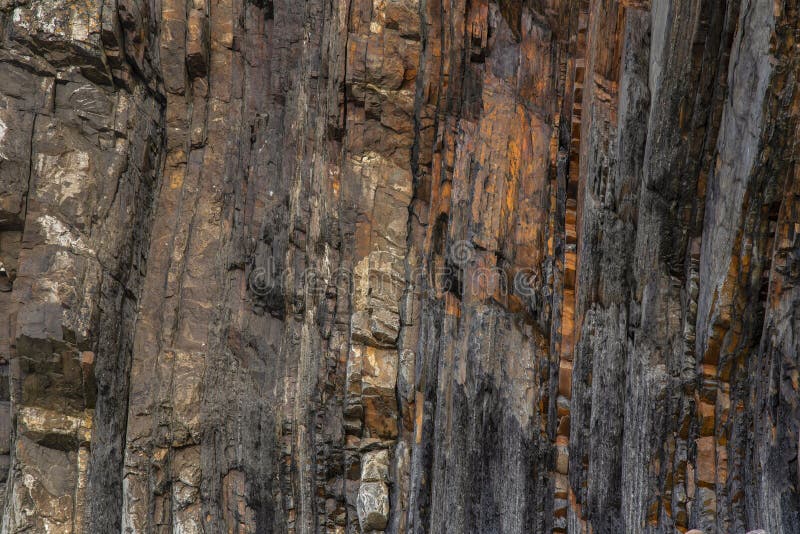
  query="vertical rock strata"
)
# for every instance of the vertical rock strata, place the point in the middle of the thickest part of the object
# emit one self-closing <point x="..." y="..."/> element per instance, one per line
<point x="399" y="266"/>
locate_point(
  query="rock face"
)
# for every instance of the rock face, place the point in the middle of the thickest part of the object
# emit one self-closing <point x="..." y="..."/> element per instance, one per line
<point x="404" y="266"/>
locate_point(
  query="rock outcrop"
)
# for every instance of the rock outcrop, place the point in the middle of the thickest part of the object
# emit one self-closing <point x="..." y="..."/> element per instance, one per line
<point x="399" y="266"/>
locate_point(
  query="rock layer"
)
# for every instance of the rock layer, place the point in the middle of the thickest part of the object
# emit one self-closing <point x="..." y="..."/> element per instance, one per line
<point x="399" y="265"/>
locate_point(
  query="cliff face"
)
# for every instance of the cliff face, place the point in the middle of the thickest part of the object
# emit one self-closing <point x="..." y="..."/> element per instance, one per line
<point x="399" y="265"/>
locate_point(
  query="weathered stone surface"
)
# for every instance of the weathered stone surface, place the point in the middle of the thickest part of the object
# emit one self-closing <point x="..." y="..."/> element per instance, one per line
<point x="375" y="466"/>
<point x="373" y="506"/>
<point x="399" y="265"/>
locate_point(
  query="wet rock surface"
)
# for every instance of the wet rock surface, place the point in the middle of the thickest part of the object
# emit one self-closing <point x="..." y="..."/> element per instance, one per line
<point x="399" y="266"/>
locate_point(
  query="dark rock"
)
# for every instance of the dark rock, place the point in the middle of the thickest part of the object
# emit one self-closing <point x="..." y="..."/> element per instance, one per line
<point x="400" y="266"/>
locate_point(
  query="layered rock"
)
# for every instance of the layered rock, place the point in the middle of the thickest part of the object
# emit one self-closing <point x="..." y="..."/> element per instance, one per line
<point x="399" y="266"/>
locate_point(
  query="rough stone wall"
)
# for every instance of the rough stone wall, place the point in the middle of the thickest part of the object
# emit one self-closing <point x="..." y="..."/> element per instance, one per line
<point x="399" y="266"/>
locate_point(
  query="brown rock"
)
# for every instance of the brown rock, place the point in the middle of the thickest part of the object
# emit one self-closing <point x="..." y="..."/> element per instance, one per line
<point x="280" y="266"/>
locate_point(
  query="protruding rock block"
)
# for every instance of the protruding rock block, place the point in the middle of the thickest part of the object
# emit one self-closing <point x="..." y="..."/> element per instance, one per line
<point x="196" y="44"/>
<point x="373" y="506"/>
<point x="375" y="466"/>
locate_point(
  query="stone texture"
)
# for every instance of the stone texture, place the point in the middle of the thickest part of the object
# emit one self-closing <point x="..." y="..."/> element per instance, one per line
<point x="373" y="506"/>
<point x="400" y="266"/>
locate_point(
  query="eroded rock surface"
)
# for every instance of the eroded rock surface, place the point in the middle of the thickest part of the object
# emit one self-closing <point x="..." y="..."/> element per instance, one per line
<point x="399" y="266"/>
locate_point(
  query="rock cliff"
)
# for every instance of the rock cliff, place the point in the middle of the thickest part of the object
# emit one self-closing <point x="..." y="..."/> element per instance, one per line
<point x="403" y="266"/>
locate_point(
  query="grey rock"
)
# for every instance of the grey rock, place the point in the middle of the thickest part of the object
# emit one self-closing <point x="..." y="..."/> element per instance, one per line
<point x="373" y="506"/>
